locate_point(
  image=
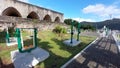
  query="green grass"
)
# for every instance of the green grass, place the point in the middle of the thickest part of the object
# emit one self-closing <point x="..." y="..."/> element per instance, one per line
<point x="59" y="53"/>
<point x="5" y="51"/>
<point x="26" y="37"/>
<point x="118" y="36"/>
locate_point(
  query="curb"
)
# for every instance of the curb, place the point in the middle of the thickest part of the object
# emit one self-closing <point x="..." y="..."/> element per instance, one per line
<point x="116" y="41"/>
<point x="63" y="66"/>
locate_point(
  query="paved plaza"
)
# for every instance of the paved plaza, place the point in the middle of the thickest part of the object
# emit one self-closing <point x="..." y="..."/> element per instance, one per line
<point x="101" y="54"/>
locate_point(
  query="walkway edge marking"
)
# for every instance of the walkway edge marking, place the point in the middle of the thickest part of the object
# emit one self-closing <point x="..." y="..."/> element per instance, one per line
<point x="116" y="41"/>
<point x="78" y="54"/>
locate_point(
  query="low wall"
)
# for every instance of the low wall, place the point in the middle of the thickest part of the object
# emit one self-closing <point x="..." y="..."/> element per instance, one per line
<point x="7" y="21"/>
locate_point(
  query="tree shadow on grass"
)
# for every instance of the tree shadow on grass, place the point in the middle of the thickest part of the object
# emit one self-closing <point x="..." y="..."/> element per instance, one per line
<point x="45" y="45"/>
<point x="2" y="65"/>
<point x="70" y="49"/>
<point x="53" y="61"/>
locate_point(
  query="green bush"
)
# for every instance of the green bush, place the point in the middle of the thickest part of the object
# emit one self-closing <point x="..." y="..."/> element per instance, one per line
<point x="2" y="34"/>
<point x="59" y="29"/>
<point x="64" y="30"/>
<point x="11" y="31"/>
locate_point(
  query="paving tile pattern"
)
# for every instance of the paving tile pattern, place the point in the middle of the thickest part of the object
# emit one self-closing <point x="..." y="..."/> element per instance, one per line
<point x="102" y="54"/>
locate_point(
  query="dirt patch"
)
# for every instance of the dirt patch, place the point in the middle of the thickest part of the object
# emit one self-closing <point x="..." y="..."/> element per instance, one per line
<point x="7" y="47"/>
<point x="28" y="47"/>
<point x="4" y="64"/>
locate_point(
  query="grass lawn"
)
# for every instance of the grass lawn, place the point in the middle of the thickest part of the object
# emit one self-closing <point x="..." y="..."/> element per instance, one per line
<point x="59" y="53"/>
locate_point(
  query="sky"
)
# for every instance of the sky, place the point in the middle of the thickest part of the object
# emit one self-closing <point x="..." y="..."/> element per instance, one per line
<point x="82" y="10"/>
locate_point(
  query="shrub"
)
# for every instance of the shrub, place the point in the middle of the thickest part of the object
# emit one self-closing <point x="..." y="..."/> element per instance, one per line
<point x="2" y="34"/>
<point x="64" y="30"/>
<point x="59" y="29"/>
<point x="11" y="31"/>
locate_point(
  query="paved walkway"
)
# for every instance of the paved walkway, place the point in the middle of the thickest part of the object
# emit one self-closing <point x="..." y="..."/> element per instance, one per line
<point x="102" y="54"/>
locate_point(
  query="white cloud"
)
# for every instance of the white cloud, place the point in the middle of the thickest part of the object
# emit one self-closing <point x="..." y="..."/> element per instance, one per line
<point x="83" y="19"/>
<point x="102" y="10"/>
<point x="24" y="0"/>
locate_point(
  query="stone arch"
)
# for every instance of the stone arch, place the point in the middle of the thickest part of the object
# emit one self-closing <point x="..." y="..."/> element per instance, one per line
<point x="57" y="19"/>
<point x="47" y="18"/>
<point x="33" y="15"/>
<point x="11" y="11"/>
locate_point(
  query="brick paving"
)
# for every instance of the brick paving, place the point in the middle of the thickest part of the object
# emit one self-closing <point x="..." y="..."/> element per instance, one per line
<point x="102" y="54"/>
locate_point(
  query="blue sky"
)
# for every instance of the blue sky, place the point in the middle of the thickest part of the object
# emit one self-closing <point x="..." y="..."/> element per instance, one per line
<point x="82" y="10"/>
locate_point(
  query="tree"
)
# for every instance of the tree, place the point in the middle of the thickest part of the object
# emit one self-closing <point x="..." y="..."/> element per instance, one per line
<point x="75" y="23"/>
<point x="68" y="21"/>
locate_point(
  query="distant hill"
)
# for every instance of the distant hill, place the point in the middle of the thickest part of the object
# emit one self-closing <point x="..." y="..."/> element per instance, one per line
<point x="113" y="24"/>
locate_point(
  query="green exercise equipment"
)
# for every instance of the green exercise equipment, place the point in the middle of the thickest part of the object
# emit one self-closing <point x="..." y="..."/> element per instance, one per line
<point x="7" y="36"/>
<point x="10" y="36"/>
<point x="106" y="30"/>
<point x="20" y="40"/>
<point x="78" y="30"/>
<point x="72" y="24"/>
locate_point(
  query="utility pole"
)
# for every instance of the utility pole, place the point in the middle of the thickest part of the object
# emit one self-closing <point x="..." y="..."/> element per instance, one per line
<point x="110" y="15"/>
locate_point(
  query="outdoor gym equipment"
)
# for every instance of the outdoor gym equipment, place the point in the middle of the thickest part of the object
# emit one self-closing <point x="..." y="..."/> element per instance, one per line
<point x="78" y="31"/>
<point x="105" y="32"/>
<point x="7" y="36"/>
<point x="72" y="41"/>
<point x="19" y="38"/>
<point x="28" y="53"/>
<point x="72" y="33"/>
<point x="72" y="23"/>
<point x="10" y="40"/>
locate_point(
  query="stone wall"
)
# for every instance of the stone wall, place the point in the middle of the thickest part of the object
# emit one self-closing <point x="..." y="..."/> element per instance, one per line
<point x="6" y="21"/>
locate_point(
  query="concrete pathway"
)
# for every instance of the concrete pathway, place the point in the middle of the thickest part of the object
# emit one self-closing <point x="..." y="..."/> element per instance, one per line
<point x="102" y="54"/>
<point x="28" y="59"/>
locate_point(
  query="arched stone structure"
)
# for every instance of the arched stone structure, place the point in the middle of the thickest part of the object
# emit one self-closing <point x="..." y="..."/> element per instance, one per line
<point x="47" y="18"/>
<point x="20" y="9"/>
<point x="11" y="11"/>
<point x="57" y="19"/>
<point x="33" y="15"/>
